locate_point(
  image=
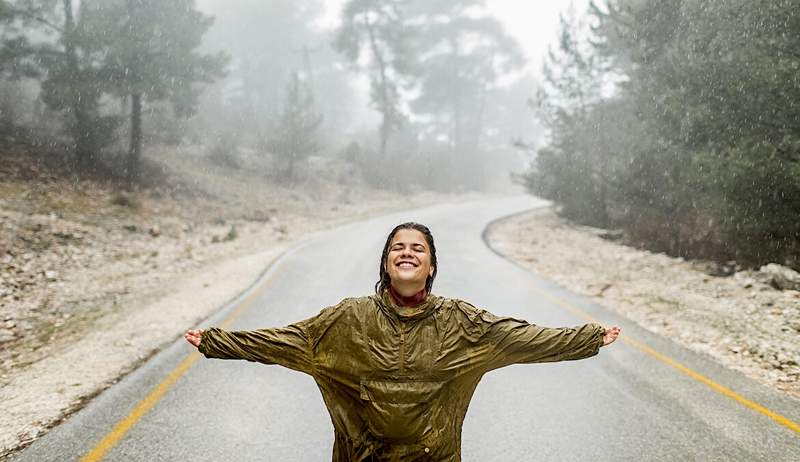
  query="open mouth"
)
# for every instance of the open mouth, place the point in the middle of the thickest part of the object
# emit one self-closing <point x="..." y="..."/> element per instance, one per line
<point x="406" y="264"/>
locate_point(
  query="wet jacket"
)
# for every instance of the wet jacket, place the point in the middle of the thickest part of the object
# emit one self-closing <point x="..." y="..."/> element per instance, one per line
<point x="397" y="380"/>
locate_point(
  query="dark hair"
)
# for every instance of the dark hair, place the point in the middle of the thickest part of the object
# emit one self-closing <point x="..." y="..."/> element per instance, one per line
<point x="383" y="276"/>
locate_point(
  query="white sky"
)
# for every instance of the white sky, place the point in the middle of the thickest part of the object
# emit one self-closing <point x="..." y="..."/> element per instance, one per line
<point x="534" y="23"/>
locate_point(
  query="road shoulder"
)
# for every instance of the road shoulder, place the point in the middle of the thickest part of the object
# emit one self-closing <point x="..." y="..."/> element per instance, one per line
<point x="737" y="321"/>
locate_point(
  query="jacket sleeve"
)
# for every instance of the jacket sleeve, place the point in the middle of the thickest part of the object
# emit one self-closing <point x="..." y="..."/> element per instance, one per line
<point x="286" y="346"/>
<point x="291" y="346"/>
<point x="509" y="341"/>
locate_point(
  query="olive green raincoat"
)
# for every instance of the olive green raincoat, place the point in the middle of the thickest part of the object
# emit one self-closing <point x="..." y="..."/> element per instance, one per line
<point x="397" y="380"/>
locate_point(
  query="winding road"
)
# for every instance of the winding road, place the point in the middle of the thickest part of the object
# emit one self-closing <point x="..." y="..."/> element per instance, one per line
<point x="642" y="399"/>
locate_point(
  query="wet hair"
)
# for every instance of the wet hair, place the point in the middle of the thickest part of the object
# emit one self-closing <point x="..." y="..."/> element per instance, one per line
<point x="383" y="277"/>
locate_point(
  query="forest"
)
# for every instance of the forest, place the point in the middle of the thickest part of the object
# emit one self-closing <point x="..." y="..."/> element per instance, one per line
<point x="98" y="81"/>
<point x="677" y="122"/>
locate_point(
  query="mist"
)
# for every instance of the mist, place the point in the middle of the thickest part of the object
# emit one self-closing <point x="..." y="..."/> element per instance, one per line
<point x="436" y="85"/>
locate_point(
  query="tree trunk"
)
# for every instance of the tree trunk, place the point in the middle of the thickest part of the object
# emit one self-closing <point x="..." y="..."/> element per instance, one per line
<point x="477" y="130"/>
<point x="135" y="152"/>
<point x="289" y="176"/>
<point x="384" y="91"/>
<point x="455" y="88"/>
<point x="81" y="128"/>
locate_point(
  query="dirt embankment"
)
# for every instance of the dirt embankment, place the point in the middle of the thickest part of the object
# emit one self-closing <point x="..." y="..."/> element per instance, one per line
<point x="741" y="320"/>
<point x="94" y="279"/>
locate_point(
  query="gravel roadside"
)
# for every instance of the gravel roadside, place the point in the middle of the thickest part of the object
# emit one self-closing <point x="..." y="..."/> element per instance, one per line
<point x="77" y="320"/>
<point x="740" y="320"/>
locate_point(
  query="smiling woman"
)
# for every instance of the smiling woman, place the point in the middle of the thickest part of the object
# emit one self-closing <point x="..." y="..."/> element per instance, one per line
<point x="408" y="263"/>
<point x="397" y="369"/>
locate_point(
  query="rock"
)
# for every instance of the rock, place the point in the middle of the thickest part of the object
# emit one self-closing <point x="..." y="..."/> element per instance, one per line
<point x="260" y="216"/>
<point x="6" y="335"/>
<point x="779" y="277"/>
<point x="715" y="269"/>
<point x="611" y="234"/>
<point x="155" y="231"/>
<point x="744" y="276"/>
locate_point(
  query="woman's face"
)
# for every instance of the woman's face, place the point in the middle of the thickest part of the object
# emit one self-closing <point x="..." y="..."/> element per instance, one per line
<point x="409" y="260"/>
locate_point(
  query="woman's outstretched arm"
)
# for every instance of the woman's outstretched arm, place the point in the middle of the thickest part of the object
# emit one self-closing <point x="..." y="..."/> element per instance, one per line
<point x="287" y="346"/>
<point x="291" y="346"/>
<point x="505" y="341"/>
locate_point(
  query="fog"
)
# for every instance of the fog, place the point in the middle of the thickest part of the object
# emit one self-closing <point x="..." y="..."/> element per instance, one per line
<point x="631" y="115"/>
<point x="452" y="93"/>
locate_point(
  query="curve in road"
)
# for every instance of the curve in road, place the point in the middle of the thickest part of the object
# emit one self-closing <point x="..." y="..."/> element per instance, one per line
<point x="621" y="405"/>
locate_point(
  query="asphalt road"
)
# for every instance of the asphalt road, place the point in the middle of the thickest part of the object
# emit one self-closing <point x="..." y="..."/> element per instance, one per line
<point x="622" y="405"/>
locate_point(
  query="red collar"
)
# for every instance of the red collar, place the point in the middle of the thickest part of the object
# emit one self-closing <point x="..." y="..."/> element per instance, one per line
<point x="415" y="299"/>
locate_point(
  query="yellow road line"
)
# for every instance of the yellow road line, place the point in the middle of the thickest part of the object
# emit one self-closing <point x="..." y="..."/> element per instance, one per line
<point x="122" y="428"/>
<point x="671" y="362"/>
<point x="141" y="409"/>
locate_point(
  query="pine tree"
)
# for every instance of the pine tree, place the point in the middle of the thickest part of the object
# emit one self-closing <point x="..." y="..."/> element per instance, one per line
<point x="461" y="56"/>
<point x="65" y="59"/>
<point x="377" y="29"/>
<point x="296" y="136"/>
<point x="152" y="56"/>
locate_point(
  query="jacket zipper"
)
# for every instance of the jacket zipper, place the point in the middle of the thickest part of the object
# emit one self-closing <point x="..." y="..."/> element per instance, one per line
<point x="402" y="351"/>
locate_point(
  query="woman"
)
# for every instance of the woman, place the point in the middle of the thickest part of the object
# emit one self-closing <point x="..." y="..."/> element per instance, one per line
<point x="397" y="369"/>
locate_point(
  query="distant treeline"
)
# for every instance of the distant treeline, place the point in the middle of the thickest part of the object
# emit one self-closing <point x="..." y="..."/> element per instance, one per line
<point x="94" y="74"/>
<point x="678" y="121"/>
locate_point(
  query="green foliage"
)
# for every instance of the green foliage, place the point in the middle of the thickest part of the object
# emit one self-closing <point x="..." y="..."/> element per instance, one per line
<point x="17" y="52"/>
<point x="697" y="150"/>
<point x="571" y="170"/>
<point x="85" y="51"/>
<point x="225" y="152"/>
<point x="232" y="234"/>
<point x="47" y="39"/>
<point x="151" y="48"/>
<point x="125" y="200"/>
<point x="150" y="54"/>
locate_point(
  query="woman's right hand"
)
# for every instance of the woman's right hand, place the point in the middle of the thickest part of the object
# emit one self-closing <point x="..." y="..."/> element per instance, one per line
<point x="194" y="337"/>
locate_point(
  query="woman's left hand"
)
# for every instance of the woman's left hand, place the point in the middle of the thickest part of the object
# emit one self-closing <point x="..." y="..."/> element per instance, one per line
<point x="194" y="337"/>
<point x="610" y="335"/>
